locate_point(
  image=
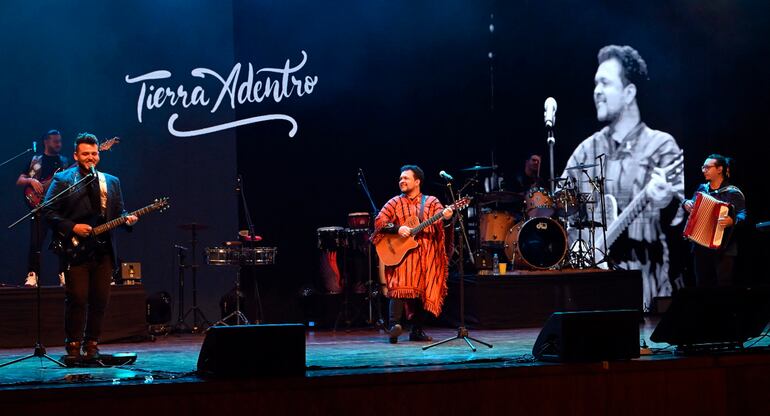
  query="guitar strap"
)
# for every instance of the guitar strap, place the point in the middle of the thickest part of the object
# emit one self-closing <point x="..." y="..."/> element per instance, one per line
<point x="422" y="207"/>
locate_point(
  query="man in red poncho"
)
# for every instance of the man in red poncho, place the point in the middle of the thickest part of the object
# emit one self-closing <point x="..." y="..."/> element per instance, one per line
<point x="418" y="283"/>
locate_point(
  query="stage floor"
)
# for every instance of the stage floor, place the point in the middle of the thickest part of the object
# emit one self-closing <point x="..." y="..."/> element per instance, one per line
<point x="173" y="358"/>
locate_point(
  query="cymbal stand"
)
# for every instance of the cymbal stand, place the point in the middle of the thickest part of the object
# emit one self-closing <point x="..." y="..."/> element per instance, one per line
<point x="601" y="181"/>
<point x="372" y="289"/>
<point x="181" y="325"/>
<point x="462" y="331"/>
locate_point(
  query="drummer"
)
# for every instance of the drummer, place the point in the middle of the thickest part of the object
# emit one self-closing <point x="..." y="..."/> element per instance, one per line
<point x="528" y="177"/>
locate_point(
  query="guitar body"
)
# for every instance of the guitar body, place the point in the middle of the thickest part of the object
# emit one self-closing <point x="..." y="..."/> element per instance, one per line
<point x="34" y="198"/>
<point x="392" y="248"/>
<point x="76" y="247"/>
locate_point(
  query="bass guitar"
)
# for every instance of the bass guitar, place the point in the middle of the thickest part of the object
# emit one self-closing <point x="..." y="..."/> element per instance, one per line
<point x="76" y="247"/>
<point x="33" y="198"/>
<point x="392" y="248"/>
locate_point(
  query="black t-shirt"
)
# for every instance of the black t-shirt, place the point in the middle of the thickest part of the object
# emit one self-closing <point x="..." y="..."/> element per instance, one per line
<point x="48" y="166"/>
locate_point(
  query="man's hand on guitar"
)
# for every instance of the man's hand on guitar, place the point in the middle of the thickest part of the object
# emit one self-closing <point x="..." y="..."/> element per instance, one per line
<point x="447" y="213"/>
<point x="404" y="231"/>
<point x="82" y="230"/>
<point x="688" y="206"/>
<point x="659" y="190"/>
<point x="131" y="219"/>
<point x="36" y="185"/>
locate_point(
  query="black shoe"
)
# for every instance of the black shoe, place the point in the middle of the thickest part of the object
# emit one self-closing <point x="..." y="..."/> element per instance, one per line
<point x="393" y="333"/>
<point x="91" y="350"/>
<point x="73" y="350"/>
<point x="419" y="335"/>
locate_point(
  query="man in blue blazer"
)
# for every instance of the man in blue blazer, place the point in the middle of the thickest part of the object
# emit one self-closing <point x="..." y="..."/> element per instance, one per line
<point x="87" y="278"/>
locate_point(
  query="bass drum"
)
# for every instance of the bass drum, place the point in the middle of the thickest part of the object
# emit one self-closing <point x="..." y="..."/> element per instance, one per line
<point x="537" y="243"/>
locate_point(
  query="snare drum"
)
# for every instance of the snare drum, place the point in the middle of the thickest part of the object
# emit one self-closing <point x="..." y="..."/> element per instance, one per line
<point x="258" y="256"/>
<point x="359" y="220"/>
<point x="223" y="256"/>
<point x="539" y="202"/>
<point x="538" y="243"/>
<point x="330" y="238"/>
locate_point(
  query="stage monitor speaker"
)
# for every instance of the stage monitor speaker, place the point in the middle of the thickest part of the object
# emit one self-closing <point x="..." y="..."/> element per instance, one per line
<point x="714" y="316"/>
<point x="589" y="336"/>
<point x="253" y="351"/>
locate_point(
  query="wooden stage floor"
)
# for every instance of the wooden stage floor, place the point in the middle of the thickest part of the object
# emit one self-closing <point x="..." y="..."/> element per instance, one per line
<point x="348" y="370"/>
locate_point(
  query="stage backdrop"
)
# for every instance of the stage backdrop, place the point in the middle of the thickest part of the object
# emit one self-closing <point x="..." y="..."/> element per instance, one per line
<point x="314" y="92"/>
<point x="65" y="66"/>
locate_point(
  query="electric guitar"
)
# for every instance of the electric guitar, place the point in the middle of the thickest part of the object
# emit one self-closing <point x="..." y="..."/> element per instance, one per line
<point x="33" y="198"/>
<point x="76" y="247"/>
<point x="617" y="223"/>
<point x="392" y="248"/>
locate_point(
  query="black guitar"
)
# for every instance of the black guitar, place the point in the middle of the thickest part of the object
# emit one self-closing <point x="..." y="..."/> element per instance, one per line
<point x="77" y="247"/>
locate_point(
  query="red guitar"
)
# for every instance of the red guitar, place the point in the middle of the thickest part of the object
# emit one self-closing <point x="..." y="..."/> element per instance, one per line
<point x="392" y="248"/>
<point x="34" y="198"/>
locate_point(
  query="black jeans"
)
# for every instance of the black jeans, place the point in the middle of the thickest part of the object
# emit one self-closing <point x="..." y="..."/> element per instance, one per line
<point x="396" y="312"/>
<point x="712" y="268"/>
<point x="86" y="296"/>
<point x="38" y="231"/>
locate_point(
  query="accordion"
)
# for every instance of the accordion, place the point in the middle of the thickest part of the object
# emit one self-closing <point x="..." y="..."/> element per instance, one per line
<point x="703" y="225"/>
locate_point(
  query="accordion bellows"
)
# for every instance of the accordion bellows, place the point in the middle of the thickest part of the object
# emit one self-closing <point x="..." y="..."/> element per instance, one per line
<point x="703" y="227"/>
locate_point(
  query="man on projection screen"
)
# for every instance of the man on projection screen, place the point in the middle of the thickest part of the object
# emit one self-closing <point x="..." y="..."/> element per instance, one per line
<point x="636" y="159"/>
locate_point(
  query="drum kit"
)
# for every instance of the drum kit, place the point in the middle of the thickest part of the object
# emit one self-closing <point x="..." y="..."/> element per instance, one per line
<point x="344" y="255"/>
<point x="530" y="229"/>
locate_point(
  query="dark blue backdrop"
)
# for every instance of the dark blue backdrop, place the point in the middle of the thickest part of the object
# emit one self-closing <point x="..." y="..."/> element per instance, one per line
<point x="398" y="82"/>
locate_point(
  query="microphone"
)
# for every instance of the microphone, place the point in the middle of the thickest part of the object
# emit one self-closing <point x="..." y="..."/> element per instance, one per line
<point x="93" y="170"/>
<point x="600" y="156"/>
<point x="34" y="146"/>
<point x="550" y="112"/>
<point x="179" y="247"/>
<point x="446" y="176"/>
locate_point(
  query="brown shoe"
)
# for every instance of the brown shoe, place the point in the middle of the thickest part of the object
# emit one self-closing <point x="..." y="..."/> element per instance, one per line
<point x="73" y="350"/>
<point x="91" y="350"/>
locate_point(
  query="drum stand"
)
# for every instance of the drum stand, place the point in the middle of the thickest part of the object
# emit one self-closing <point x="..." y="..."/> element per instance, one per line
<point x="373" y="295"/>
<point x="462" y="331"/>
<point x="240" y="318"/>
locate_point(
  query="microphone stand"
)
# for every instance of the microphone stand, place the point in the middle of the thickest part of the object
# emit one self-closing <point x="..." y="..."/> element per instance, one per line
<point x="31" y="149"/>
<point x="39" y="350"/>
<point x="373" y="294"/>
<point x="462" y="331"/>
<point x="601" y="183"/>
<point x="551" y="142"/>
<point x="252" y="234"/>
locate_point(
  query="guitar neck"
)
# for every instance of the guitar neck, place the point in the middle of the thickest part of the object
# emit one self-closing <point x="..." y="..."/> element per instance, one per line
<point x="117" y="222"/>
<point x="629" y="214"/>
<point x="427" y="223"/>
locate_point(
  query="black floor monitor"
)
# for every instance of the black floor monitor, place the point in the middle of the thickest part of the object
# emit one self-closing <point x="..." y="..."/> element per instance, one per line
<point x="714" y="316"/>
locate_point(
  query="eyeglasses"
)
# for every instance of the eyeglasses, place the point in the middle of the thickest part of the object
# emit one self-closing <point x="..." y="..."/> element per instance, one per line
<point x="707" y="167"/>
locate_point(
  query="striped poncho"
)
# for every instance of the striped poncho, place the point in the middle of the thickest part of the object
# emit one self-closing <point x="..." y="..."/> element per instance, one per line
<point x="423" y="272"/>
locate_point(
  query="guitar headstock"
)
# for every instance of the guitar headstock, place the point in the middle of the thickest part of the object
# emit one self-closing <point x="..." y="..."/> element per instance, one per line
<point x="107" y="144"/>
<point x="462" y="203"/>
<point x="161" y="204"/>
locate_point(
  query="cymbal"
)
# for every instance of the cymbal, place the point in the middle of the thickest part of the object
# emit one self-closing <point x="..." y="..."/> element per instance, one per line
<point x="478" y="168"/>
<point x="581" y="166"/>
<point x="192" y="226"/>
<point x="504" y="197"/>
